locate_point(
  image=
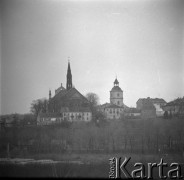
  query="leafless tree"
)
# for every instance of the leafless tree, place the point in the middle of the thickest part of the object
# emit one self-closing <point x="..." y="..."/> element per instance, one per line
<point x="93" y="98"/>
<point x="39" y="105"/>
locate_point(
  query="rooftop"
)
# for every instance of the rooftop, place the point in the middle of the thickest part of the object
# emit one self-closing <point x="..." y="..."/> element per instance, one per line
<point x="153" y="100"/>
<point x="178" y="101"/>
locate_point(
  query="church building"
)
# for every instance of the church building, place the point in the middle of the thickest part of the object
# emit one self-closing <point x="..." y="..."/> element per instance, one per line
<point x="115" y="108"/>
<point x="67" y="104"/>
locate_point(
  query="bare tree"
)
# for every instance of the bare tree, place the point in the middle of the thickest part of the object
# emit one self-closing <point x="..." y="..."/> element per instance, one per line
<point x="93" y="98"/>
<point x="39" y="105"/>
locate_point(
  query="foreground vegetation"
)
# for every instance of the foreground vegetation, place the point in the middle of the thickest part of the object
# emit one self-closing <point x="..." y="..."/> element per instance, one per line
<point x="136" y="136"/>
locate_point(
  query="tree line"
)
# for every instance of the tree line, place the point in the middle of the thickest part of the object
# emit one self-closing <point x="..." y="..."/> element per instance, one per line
<point x="142" y="136"/>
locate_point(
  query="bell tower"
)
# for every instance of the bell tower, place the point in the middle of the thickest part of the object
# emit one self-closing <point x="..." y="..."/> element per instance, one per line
<point x="116" y="94"/>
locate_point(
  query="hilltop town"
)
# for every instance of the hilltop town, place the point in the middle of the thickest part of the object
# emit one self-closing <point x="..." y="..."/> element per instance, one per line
<point x="70" y="122"/>
<point x="92" y="89"/>
<point x="68" y="104"/>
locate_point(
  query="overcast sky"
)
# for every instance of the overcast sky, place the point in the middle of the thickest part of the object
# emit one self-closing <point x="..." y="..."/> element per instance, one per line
<point x="139" y="41"/>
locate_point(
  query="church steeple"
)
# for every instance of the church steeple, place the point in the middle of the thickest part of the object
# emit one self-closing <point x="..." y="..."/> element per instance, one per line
<point x="69" y="77"/>
<point x="49" y="94"/>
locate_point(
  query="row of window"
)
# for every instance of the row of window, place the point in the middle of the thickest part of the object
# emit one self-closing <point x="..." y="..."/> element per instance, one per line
<point x="51" y="119"/>
<point x="55" y="120"/>
<point x="75" y="114"/>
<point x="114" y="110"/>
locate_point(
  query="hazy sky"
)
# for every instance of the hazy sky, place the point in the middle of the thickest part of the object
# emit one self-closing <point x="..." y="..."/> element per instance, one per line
<point x="139" y="41"/>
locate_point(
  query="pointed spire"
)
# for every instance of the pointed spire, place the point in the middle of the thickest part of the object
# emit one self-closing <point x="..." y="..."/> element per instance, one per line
<point x="69" y="77"/>
<point x="49" y="94"/>
<point x="69" y="70"/>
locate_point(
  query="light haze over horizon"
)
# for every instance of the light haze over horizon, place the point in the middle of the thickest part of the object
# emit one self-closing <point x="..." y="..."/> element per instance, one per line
<point x="139" y="41"/>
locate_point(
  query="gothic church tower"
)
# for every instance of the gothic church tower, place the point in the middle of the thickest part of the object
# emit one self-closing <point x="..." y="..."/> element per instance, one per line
<point x="69" y="78"/>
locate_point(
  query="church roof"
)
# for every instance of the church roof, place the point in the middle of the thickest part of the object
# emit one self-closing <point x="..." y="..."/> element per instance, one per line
<point x="60" y="94"/>
<point x="67" y="94"/>
<point x="59" y="89"/>
<point x="72" y="91"/>
<point x="116" y="88"/>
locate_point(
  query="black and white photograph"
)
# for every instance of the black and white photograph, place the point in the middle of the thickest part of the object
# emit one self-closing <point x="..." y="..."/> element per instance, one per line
<point x="92" y="89"/>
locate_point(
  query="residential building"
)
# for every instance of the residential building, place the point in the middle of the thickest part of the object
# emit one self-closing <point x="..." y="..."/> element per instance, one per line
<point x="147" y="108"/>
<point x="175" y="107"/>
<point x="132" y="112"/>
<point x="157" y="102"/>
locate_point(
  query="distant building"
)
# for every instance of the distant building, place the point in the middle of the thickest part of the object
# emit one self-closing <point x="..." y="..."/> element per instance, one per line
<point x="147" y="108"/>
<point x="7" y="120"/>
<point x="49" y="118"/>
<point x="157" y="102"/>
<point x="67" y="104"/>
<point x="115" y="108"/>
<point x="132" y="112"/>
<point x="175" y="107"/>
<point x="112" y="111"/>
<point x="10" y="120"/>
